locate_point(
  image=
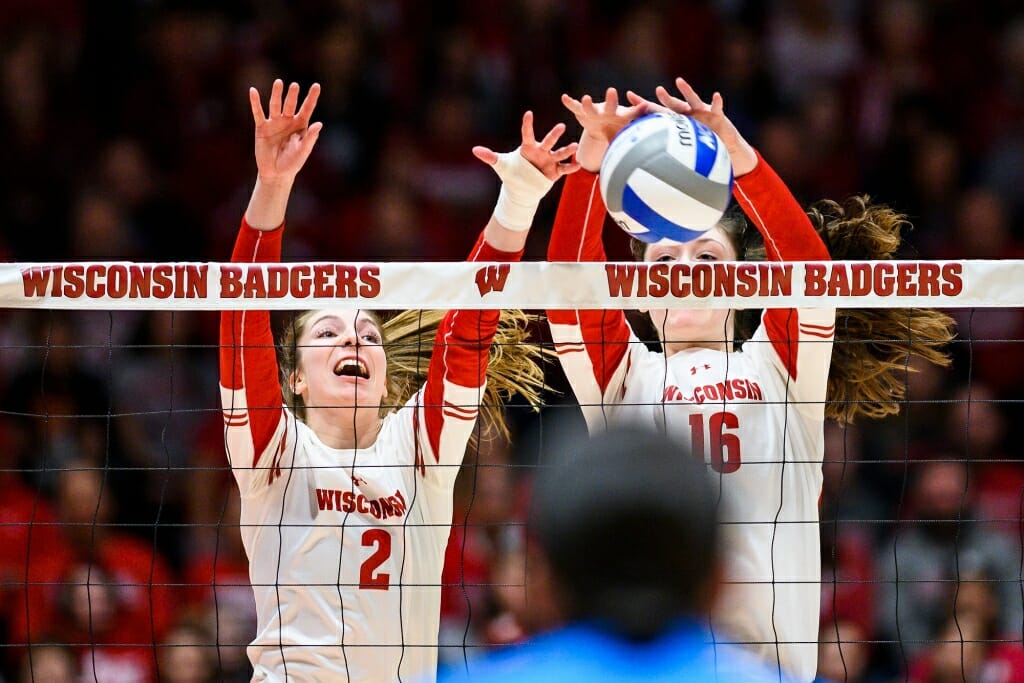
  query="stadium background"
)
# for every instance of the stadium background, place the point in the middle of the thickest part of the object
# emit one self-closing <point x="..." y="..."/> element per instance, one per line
<point x="126" y="135"/>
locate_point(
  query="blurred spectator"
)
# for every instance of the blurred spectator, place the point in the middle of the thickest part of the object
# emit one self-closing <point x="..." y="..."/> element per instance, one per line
<point x="32" y="556"/>
<point x="108" y="646"/>
<point x="217" y="591"/>
<point x="965" y="649"/>
<point x="810" y="43"/>
<point x="977" y="427"/>
<point x="138" y="578"/>
<point x="186" y="655"/>
<point x="484" y="508"/>
<point x="923" y="561"/>
<point x="844" y="652"/>
<point x="49" y="662"/>
<point x="160" y="382"/>
<point x="897" y="68"/>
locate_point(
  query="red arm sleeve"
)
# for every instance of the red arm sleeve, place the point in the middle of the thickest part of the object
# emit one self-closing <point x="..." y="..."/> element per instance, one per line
<point x="576" y="236"/>
<point x="788" y="233"/>
<point x="788" y="236"/>
<point x="458" y="364"/>
<point x="247" y="359"/>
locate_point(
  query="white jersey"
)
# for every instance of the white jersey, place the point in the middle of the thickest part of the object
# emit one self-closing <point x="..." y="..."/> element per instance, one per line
<point x="346" y="547"/>
<point x="756" y="416"/>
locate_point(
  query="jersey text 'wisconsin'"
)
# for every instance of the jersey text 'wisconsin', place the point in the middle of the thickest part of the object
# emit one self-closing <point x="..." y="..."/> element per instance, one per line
<point x="350" y="501"/>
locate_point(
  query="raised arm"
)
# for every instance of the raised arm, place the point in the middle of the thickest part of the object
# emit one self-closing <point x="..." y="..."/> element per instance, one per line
<point x="591" y="344"/>
<point x="254" y="421"/>
<point x="458" y="366"/>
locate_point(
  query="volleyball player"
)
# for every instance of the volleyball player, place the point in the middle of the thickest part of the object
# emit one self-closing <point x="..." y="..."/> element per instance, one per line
<point x="750" y="402"/>
<point x="346" y="505"/>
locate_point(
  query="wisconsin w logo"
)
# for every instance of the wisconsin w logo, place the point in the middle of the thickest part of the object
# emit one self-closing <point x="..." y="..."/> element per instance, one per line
<point x="492" y="278"/>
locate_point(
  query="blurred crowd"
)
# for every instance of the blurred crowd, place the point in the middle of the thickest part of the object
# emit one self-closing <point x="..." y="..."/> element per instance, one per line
<point x="127" y="136"/>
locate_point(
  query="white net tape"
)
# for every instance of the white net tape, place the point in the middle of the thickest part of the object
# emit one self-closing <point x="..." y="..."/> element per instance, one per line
<point x="528" y="285"/>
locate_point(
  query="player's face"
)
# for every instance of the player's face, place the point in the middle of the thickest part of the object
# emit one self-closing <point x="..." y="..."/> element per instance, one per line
<point x="341" y="360"/>
<point x="688" y="328"/>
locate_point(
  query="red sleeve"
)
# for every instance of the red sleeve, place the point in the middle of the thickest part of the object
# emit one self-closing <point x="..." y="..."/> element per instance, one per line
<point x="460" y="355"/>
<point x="577" y="236"/>
<point x="788" y="236"/>
<point x="788" y="233"/>
<point x="247" y="357"/>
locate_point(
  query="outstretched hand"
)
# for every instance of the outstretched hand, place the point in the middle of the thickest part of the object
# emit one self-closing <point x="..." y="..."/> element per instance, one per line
<point x="284" y="138"/>
<point x="553" y="163"/>
<point x="601" y="122"/>
<point x="712" y="115"/>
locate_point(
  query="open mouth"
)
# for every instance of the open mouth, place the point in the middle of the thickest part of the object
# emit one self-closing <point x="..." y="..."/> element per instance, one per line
<point x="351" y="367"/>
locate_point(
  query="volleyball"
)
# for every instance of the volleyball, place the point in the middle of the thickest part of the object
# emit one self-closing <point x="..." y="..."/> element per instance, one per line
<point x="666" y="176"/>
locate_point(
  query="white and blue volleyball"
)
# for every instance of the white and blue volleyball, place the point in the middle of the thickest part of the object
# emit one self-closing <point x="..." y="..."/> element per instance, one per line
<point x="666" y="176"/>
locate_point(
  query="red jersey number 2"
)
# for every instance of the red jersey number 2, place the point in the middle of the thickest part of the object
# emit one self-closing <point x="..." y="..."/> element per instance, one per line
<point x="723" y="448"/>
<point x="381" y="540"/>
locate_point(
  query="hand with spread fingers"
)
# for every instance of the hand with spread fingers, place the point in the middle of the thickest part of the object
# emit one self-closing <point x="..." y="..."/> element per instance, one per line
<point x="527" y="173"/>
<point x="601" y="122"/>
<point x="552" y="163"/>
<point x="284" y="136"/>
<point x="712" y="115"/>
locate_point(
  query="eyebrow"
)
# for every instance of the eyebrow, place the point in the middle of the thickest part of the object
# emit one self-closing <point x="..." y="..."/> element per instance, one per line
<point x="709" y="239"/>
<point x="317" y="321"/>
<point x="331" y="316"/>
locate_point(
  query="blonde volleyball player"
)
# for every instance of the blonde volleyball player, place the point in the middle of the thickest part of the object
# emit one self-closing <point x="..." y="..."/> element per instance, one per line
<point x="750" y="402"/>
<point x="346" y="505"/>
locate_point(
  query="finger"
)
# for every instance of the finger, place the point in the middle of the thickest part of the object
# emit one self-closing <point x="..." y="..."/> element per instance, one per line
<point x="587" y="104"/>
<point x="611" y="100"/>
<point x="635" y="99"/>
<point x="291" y="100"/>
<point x="692" y="98"/>
<point x="552" y="137"/>
<point x="257" y="106"/>
<point x="527" y="129"/>
<point x="274" y="108"/>
<point x="488" y="156"/>
<point x="642" y="105"/>
<point x="563" y="153"/>
<point x="309" y="104"/>
<point x="310" y="138"/>
<point x="717" y="104"/>
<point x="572" y="104"/>
<point x="672" y="102"/>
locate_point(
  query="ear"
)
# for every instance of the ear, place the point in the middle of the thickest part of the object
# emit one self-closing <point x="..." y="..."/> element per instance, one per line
<point x="297" y="383"/>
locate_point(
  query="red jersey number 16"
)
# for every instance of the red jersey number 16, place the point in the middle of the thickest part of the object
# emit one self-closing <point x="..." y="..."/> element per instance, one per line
<point x="722" y="449"/>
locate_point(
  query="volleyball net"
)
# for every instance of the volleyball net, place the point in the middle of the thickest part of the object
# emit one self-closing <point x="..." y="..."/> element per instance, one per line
<point x="120" y="522"/>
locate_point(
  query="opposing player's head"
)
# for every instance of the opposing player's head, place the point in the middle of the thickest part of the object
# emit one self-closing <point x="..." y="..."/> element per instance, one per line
<point x="334" y="358"/>
<point x="628" y="523"/>
<point x="685" y="328"/>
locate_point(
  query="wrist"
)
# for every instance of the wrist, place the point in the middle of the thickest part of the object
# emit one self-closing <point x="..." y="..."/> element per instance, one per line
<point x="514" y="211"/>
<point x="523" y="185"/>
<point x="743" y="157"/>
<point x="591" y="152"/>
<point x="275" y="183"/>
